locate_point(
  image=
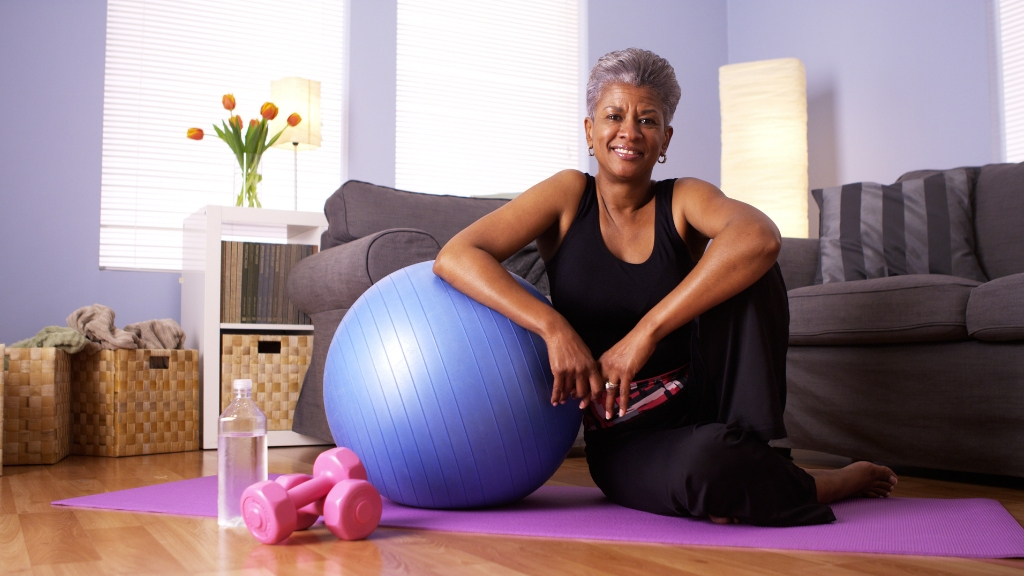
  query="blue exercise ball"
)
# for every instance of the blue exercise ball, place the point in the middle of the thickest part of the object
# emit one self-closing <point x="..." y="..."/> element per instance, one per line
<point x="446" y="402"/>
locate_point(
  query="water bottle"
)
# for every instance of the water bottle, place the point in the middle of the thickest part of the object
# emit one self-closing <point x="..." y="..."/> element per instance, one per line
<point x="241" y="452"/>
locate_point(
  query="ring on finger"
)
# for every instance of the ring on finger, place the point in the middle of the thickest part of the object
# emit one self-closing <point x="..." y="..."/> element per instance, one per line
<point x="609" y="385"/>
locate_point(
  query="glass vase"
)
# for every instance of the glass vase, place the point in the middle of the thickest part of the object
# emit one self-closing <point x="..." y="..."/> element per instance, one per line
<point x="249" y="193"/>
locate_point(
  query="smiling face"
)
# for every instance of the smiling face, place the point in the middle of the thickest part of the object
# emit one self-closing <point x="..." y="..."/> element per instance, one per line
<point x="628" y="131"/>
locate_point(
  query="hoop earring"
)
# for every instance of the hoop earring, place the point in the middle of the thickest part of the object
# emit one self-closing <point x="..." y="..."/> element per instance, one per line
<point x="662" y="159"/>
<point x="590" y="150"/>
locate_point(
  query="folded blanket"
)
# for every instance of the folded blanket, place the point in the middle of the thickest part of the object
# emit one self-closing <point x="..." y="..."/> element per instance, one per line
<point x="96" y="323"/>
<point x="66" y="339"/>
<point x="158" y="334"/>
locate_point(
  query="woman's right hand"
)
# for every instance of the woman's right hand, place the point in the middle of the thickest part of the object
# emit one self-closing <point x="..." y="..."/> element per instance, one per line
<point x="573" y="366"/>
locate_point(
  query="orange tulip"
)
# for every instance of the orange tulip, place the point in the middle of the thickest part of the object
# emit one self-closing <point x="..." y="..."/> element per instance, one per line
<point x="195" y="133"/>
<point x="253" y="123"/>
<point x="236" y="121"/>
<point x="268" y="110"/>
<point x="228" y="100"/>
<point x="294" y="119"/>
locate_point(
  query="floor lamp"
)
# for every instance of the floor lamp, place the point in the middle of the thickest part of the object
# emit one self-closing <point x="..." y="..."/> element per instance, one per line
<point x="300" y="96"/>
<point x="764" y="139"/>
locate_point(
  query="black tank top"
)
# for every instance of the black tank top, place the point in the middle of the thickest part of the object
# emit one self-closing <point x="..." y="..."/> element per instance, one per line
<point x="604" y="297"/>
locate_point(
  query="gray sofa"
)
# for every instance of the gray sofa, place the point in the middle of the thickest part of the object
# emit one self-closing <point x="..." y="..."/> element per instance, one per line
<point x="916" y="370"/>
<point x="373" y="231"/>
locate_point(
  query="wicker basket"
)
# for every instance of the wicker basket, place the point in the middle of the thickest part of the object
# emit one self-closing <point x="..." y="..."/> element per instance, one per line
<point x="37" y="403"/>
<point x="130" y="402"/>
<point x="276" y="373"/>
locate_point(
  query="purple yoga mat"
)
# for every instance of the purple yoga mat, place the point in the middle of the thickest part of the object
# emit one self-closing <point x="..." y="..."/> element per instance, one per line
<point x="969" y="528"/>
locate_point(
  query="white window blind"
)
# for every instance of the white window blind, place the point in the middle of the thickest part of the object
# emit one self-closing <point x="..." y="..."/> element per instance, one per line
<point x="1011" y="39"/>
<point x="168" y="62"/>
<point x="489" y="94"/>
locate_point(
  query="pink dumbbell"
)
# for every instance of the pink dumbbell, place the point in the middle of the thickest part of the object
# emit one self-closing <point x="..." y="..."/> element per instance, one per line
<point x="308" y="514"/>
<point x="352" y="510"/>
<point x="271" y="511"/>
<point x="344" y="527"/>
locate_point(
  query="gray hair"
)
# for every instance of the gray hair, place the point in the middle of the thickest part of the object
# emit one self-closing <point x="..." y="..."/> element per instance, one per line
<point x="636" y="67"/>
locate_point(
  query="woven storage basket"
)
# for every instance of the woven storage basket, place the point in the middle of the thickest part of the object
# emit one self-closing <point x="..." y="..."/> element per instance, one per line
<point x="37" y="402"/>
<point x="130" y="402"/>
<point x="276" y="374"/>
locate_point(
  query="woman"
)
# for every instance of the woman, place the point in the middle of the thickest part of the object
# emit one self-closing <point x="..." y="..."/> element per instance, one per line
<point x="689" y="335"/>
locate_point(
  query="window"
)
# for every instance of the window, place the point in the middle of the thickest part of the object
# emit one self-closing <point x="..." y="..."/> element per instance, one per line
<point x="1011" y="40"/>
<point x="168" y="63"/>
<point x="489" y="94"/>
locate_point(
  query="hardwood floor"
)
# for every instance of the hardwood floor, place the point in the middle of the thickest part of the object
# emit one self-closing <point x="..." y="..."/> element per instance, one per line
<point x="36" y="538"/>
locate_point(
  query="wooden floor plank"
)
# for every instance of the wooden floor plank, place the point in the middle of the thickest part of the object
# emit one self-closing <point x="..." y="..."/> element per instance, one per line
<point x="34" y="490"/>
<point x="56" y="537"/>
<point x="131" y="550"/>
<point x="38" y="539"/>
<point x="8" y="504"/>
<point x="72" y="569"/>
<point x="97" y="520"/>
<point x="197" y="543"/>
<point x="13" y="552"/>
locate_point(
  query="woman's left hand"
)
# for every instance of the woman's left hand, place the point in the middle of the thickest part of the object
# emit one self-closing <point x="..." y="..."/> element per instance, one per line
<point x="619" y="364"/>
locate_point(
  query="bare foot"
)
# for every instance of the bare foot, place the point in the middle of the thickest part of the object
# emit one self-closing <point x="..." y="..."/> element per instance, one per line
<point x="857" y="479"/>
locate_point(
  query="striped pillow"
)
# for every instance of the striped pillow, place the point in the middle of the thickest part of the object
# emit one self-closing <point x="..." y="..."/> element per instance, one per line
<point x="922" y="226"/>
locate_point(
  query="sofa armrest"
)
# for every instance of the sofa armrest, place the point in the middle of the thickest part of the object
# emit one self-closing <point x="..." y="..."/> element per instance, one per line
<point x="335" y="278"/>
<point x="799" y="261"/>
<point x="995" y="310"/>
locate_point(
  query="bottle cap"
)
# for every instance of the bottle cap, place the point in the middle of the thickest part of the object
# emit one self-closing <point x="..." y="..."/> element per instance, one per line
<point x="242" y="384"/>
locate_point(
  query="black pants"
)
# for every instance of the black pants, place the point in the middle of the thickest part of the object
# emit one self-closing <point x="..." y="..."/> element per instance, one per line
<point x="705" y="451"/>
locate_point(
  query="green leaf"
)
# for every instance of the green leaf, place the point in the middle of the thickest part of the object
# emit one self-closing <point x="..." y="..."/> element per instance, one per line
<point x="235" y="143"/>
<point x="236" y="131"/>
<point x="227" y="137"/>
<point x="252" y="140"/>
<point x="263" y="137"/>
<point x="274" y="139"/>
<point x="257" y="144"/>
<point x="248" y="132"/>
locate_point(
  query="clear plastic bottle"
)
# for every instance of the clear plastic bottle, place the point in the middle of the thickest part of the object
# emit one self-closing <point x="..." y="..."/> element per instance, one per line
<point x="241" y="452"/>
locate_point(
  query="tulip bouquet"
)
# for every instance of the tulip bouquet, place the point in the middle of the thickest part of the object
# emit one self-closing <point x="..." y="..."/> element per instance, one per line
<point x="248" y="147"/>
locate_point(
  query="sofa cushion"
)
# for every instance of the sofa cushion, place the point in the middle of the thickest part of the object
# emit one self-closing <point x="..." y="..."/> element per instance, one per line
<point x="999" y="204"/>
<point x="359" y="209"/>
<point x="972" y="174"/>
<point x="897" y="309"/>
<point x="995" y="311"/>
<point x="998" y="207"/>
<point x="920" y="226"/>
<point x="798" y="260"/>
<point x="528" y="265"/>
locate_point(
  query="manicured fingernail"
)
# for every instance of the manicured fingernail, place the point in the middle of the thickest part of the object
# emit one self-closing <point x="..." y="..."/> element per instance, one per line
<point x="607" y="415"/>
<point x="583" y="404"/>
<point x="622" y="412"/>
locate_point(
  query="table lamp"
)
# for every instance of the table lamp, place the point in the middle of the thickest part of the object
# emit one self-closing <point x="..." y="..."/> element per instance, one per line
<point x="301" y="96"/>
<point x="764" y="139"/>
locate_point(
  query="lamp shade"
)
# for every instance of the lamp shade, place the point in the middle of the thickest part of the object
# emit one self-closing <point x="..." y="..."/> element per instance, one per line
<point x="764" y="139"/>
<point x="301" y="96"/>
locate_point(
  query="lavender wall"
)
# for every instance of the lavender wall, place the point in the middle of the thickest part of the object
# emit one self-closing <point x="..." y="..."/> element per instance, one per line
<point x="892" y="86"/>
<point x="51" y="96"/>
<point x="373" y="35"/>
<point x="691" y="35"/>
